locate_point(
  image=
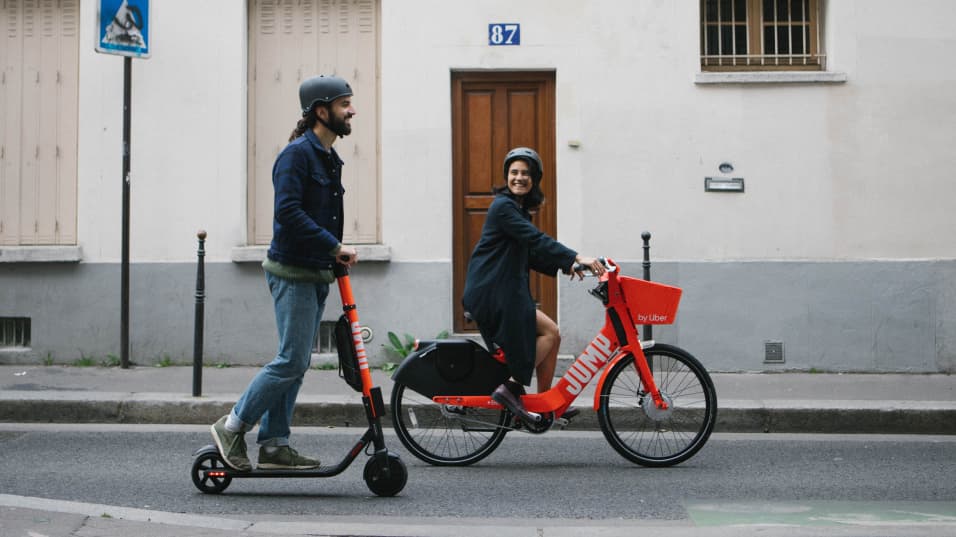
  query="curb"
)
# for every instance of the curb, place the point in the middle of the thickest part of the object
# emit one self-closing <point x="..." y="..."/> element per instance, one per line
<point x="843" y="417"/>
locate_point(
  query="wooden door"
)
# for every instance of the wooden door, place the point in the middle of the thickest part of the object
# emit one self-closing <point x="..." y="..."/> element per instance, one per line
<point x="493" y="112"/>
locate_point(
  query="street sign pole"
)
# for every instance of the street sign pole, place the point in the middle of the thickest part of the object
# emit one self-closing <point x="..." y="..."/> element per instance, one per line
<point x="122" y="27"/>
<point x="124" y="285"/>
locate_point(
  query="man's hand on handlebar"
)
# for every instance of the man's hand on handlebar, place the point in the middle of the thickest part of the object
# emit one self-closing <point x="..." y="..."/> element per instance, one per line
<point x="347" y="255"/>
<point x="593" y="264"/>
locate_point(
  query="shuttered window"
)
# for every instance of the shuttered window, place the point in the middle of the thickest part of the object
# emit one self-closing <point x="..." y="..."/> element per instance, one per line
<point x="290" y="40"/>
<point x="39" y="54"/>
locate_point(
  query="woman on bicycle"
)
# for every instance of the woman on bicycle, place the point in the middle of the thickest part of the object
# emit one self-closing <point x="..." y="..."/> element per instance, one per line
<point x="497" y="292"/>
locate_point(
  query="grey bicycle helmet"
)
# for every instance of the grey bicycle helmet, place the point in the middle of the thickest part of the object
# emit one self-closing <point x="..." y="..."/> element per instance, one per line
<point x="322" y="90"/>
<point x="528" y="155"/>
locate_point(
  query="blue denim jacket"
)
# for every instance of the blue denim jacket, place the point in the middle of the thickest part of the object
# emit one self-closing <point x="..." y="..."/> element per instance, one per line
<point x="308" y="214"/>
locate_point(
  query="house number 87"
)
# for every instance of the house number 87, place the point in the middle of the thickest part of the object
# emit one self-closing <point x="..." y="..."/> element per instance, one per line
<point x="504" y="34"/>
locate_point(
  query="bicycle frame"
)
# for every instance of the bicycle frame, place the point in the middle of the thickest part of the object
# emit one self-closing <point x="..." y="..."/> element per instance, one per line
<point x="626" y="301"/>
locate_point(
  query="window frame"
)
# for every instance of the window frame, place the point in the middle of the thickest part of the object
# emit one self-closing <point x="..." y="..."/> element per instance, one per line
<point x="813" y="59"/>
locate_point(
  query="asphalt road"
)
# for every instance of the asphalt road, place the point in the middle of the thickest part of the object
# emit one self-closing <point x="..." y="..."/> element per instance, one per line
<point x="568" y="475"/>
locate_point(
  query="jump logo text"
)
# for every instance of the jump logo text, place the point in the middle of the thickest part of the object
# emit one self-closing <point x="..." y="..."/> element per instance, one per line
<point x="359" y="346"/>
<point x="590" y="362"/>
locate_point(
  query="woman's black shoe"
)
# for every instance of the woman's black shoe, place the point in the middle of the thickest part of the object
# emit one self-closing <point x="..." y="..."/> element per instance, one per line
<point x="505" y="397"/>
<point x="516" y="388"/>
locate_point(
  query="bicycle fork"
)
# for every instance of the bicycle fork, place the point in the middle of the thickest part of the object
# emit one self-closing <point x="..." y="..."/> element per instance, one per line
<point x="644" y="372"/>
<point x="631" y="344"/>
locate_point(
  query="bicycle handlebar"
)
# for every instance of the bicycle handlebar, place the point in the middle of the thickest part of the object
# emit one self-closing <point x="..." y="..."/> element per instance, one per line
<point x="579" y="268"/>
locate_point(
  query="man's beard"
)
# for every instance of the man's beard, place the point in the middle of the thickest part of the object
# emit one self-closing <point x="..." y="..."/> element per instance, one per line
<point x="339" y="125"/>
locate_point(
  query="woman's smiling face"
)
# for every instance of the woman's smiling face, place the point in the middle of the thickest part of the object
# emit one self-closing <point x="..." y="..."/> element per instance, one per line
<point x="519" y="177"/>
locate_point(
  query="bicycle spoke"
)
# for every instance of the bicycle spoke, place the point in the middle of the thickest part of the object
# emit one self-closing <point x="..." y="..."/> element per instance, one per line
<point x="445" y="435"/>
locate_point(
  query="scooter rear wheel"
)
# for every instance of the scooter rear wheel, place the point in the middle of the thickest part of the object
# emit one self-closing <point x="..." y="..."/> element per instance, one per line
<point x="204" y="463"/>
<point x="443" y="435"/>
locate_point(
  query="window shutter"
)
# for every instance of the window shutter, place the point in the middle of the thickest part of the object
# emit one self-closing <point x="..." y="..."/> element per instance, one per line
<point x="67" y="82"/>
<point x="38" y="176"/>
<point x="11" y="55"/>
<point x="289" y="41"/>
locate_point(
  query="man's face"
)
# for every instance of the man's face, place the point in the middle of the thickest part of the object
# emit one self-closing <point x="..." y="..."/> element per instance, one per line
<point x="340" y="116"/>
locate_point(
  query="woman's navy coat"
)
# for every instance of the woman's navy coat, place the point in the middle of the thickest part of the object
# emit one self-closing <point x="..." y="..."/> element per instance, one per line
<point x="497" y="292"/>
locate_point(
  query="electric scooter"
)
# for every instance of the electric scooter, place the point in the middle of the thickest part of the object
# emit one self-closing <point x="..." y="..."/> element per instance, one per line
<point x="385" y="473"/>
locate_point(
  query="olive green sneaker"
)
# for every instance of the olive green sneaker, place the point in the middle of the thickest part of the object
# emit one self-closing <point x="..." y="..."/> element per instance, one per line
<point x="285" y="458"/>
<point x="232" y="446"/>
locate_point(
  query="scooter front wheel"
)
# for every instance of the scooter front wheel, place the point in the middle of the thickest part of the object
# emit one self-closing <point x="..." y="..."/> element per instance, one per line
<point x="207" y="463"/>
<point x="445" y="435"/>
<point x="382" y="482"/>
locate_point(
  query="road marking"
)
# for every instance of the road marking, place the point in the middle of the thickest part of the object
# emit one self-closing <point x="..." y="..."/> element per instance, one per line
<point x="821" y="513"/>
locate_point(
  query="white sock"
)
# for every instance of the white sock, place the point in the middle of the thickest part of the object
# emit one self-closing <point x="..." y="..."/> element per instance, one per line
<point x="233" y="423"/>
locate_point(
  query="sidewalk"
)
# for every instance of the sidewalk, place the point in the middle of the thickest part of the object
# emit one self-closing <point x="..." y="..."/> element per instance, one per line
<point x="37" y="517"/>
<point x="747" y="402"/>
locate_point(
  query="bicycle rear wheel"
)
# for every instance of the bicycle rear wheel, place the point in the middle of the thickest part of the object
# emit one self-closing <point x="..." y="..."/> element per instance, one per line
<point x="641" y="432"/>
<point x="445" y="435"/>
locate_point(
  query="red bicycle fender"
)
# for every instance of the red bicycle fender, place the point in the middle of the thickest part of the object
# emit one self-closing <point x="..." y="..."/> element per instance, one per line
<point x="607" y="369"/>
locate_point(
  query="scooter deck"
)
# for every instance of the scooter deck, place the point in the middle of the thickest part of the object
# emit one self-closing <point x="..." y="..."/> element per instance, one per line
<point x="321" y="471"/>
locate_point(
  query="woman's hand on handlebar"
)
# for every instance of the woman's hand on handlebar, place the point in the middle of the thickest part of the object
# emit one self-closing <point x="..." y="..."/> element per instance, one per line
<point x="593" y="264"/>
<point x="347" y="255"/>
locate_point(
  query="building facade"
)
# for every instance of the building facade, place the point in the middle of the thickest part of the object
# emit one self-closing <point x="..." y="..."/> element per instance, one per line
<point x="831" y="118"/>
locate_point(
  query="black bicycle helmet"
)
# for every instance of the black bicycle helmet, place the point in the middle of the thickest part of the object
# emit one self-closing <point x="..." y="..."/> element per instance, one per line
<point x="321" y="90"/>
<point x="528" y="155"/>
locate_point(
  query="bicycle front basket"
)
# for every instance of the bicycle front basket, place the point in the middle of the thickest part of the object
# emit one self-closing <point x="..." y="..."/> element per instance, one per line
<point x="650" y="302"/>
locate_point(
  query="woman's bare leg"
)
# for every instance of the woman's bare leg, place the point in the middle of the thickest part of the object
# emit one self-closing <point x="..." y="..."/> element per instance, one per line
<point x="546" y="350"/>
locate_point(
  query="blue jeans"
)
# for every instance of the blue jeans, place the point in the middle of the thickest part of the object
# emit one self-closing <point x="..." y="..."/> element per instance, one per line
<point x="271" y="394"/>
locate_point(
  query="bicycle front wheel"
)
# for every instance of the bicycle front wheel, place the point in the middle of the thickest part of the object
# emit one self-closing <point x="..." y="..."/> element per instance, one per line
<point x="649" y="436"/>
<point x="445" y="435"/>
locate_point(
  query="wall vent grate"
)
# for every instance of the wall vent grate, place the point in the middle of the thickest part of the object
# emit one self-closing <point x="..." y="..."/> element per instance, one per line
<point x="773" y="352"/>
<point x="325" y="339"/>
<point x="14" y="332"/>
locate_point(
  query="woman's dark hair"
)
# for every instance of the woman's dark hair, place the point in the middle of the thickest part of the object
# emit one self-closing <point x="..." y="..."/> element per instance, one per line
<point x="534" y="198"/>
<point x="305" y="124"/>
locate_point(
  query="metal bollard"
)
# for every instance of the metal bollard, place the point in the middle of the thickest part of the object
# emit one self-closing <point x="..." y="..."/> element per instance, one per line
<point x="648" y="332"/>
<point x="200" y="299"/>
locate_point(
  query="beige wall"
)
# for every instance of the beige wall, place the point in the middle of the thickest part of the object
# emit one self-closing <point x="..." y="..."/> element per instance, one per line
<point x="833" y="171"/>
<point x="187" y="142"/>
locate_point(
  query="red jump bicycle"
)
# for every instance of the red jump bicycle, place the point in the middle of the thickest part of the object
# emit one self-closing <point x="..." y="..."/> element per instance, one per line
<point x="656" y="404"/>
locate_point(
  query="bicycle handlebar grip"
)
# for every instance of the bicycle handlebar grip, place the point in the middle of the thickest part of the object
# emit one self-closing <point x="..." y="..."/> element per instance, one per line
<point x="578" y="267"/>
